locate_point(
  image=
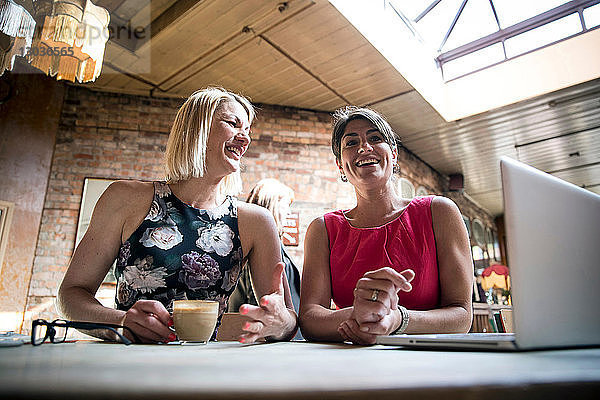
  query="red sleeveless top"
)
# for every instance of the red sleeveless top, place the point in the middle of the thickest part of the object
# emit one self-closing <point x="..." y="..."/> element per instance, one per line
<point x="406" y="242"/>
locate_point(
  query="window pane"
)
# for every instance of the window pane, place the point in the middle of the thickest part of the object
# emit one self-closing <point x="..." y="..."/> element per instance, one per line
<point x="543" y="35"/>
<point x="498" y="256"/>
<point x="413" y="8"/>
<point x="478" y="232"/>
<point x="489" y="238"/>
<point x="475" y="22"/>
<point x="468" y="225"/>
<point x="477" y="253"/>
<point x="474" y="61"/>
<point x="511" y="12"/>
<point x="436" y="23"/>
<point x="591" y="15"/>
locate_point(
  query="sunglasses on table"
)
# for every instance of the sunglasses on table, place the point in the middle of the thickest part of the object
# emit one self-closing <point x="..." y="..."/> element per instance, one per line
<point x="56" y="330"/>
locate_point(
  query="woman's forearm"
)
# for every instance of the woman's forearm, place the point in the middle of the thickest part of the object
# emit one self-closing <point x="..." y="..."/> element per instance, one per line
<point x="78" y="304"/>
<point x="321" y="324"/>
<point x="449" y="319"/>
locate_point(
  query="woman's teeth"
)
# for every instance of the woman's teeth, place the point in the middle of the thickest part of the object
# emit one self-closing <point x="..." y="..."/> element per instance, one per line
<point x="234" y="150"/>
<point x="366" y="162"/>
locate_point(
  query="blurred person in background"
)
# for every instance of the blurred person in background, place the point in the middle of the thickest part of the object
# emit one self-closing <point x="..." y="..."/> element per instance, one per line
<point x="277" y="198"/>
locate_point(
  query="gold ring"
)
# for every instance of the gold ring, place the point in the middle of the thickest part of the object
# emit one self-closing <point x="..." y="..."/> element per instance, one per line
<point x="374" y="295"/>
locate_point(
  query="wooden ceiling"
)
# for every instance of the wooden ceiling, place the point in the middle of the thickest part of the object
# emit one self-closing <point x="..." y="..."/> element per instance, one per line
<point x="305" y="54"/>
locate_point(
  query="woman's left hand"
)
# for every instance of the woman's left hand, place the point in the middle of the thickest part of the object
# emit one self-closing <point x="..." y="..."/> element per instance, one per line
<point x="376" y="293"/>
<point x="367" y="332"/>
<point x="272" y="319"/>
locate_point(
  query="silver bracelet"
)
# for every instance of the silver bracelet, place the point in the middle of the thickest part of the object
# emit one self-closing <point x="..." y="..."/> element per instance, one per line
<point x="404" y="323"/>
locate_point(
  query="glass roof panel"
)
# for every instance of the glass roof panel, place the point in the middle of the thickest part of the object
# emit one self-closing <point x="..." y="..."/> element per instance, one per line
<point x="511" y="12"/>
<point x="543" y="35"/>
<point x="434" y="25"/>
<point x="473" y="61"/>
<point x="592" y="16"/>
<point x="412" y="8"/>
<point x="476" y="21"/>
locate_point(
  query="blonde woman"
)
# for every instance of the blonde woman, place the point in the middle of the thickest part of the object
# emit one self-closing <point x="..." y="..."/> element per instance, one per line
<point x="186" y="237"/>
<point x="277" y="198"/>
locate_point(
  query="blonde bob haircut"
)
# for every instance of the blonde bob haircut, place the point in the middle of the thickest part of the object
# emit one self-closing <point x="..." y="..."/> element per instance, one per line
<point x="270" y="194"/>
<point x="185" y="156"/>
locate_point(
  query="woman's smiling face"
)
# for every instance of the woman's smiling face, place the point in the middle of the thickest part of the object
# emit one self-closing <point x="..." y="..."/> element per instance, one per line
<point x="366" y="158"/>
<point x="228" y="139"/>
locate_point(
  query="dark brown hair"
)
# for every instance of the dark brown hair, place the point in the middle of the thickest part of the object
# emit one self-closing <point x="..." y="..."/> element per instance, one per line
<point x="341" y="118"/>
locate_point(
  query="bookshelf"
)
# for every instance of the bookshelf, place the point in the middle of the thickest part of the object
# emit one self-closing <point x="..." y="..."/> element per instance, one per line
<point x="484" y="319"/>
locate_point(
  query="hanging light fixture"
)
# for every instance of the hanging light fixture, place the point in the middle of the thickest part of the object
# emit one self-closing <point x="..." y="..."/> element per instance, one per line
<point x="495" y="276"/>
<point x="72" y="40"/>
<point x="16" y="32"/>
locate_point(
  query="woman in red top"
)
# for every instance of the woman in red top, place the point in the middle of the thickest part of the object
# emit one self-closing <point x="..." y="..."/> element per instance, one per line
<point x="391" y="265"/>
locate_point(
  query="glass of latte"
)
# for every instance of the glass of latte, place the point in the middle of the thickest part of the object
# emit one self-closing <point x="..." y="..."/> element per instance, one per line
<point x="195" y="320"/>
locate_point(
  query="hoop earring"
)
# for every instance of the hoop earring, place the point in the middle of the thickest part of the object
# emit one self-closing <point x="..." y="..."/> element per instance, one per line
<point x="343" y="177"/>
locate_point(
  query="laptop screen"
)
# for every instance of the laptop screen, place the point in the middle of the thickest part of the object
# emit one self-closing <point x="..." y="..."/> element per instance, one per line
<point x="553" y="246"/>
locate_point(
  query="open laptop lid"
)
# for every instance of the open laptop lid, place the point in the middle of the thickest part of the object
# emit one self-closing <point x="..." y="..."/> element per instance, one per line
<point x="553" y="246"/>
<point x="553" y="241"/>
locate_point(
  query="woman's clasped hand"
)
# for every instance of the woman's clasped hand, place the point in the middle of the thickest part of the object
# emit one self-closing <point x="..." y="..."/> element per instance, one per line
<point x="375" y="307"/>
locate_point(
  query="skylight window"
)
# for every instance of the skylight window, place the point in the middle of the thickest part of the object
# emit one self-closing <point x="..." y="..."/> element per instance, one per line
<point x="467" y="35"/>
<point x="543" y="35"/>
<point x="483" y="24"/>
<point x="591" y="15"/>
<point x="469" y="56"/>
<point x="474" y="61"/>
<point x="511" y="12"/>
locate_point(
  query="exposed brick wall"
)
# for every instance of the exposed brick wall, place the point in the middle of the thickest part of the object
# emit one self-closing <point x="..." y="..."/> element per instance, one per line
<point x="421" y="174"/>
<point x="292" y="145"/>
<point x="106" y="135"/>
<point x="26" y="145"/>
<point x="100" y="135"/>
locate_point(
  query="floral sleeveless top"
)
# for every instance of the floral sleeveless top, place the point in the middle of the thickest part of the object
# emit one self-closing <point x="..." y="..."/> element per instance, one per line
<point x="180" y="253"/>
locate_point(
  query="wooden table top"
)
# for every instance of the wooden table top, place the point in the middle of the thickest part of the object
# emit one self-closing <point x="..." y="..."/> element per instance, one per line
<point x="224" y="370"/>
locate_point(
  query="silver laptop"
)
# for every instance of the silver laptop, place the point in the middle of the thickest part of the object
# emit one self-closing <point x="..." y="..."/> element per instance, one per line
<point x="553" y="241"/>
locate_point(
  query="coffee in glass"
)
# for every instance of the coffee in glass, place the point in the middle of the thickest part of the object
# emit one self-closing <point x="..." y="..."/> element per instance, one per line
<point x="195" y="320"/>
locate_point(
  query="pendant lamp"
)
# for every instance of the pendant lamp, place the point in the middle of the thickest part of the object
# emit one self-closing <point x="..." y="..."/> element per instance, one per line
<point x="16" y="32"/>
<point x="70" y="44"/>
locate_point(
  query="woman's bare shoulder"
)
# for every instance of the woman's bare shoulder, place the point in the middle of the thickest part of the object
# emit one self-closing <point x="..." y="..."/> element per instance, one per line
<point x="124" y="196"/>
<point x="317" y="224"/>
<point x="446" y="214"/>
<point x="125" y="203"/>
<point x="129" y="190"/>
<point x="125" y="188"/>
<point x="441" y="204"/>
<point x="253" y="213"/>
<point x="316" y="231"/>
